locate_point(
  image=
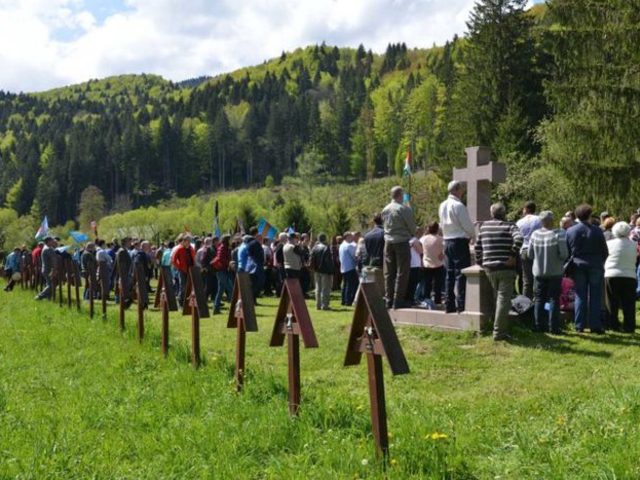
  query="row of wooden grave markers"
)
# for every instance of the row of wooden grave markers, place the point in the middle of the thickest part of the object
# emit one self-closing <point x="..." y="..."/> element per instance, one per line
<point x="372" y="332"/>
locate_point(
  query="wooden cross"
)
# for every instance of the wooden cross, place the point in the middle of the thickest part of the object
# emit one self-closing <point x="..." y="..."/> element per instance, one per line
<point x="103" y="272"/>
<point x="373" y="333"/>
<point x="293" y="321"/>
<point x="123" y="289"/>
<point x="91" y="278"/>
<point x="480" y="173"/>
<point x="166" y="301"/>
<point x="142" y="296"/>
<point x="242" y="316"/>
<point x="195" y="304"/>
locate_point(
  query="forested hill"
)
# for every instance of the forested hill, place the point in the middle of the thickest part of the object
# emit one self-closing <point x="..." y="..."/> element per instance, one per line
<point x="553" y="90"/>
<point x="140" y="138"/>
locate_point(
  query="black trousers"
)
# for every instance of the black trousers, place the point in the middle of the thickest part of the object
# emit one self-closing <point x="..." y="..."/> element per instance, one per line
<point x="620" y="293"/>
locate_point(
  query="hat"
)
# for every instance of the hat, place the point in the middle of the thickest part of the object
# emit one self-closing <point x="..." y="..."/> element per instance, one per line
<point x="604" y="215"/>
<point x="546" y="215"/>
<point x="48" y="238"/>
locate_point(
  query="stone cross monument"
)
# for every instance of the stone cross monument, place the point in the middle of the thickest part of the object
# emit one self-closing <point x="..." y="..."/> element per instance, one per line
<point x="480" y="173"/>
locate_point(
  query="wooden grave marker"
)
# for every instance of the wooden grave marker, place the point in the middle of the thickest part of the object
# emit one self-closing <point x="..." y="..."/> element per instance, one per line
<point x="166" y="300"/>
<point x="293" y="321"/>
<point x="195" y="304"/>
<point x="91" y="280"/>
<point x="76" y="277"/>
<point x="242" y="316"/>
<point x="372" y="333"/>
<point x="142" y="296"/>
<point x="103" y="273"/>
<point x="123" y="288"/>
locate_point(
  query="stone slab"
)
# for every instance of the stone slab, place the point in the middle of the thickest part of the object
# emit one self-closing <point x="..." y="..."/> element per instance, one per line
<point x="438" y="319"/>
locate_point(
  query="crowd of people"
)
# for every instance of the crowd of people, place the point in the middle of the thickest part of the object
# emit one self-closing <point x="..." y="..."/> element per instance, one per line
<point x="578" y="263"/>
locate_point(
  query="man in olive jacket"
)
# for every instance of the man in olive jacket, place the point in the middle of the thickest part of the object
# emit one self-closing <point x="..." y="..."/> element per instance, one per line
<point x="399" y="227"/>
<point x="321" y="262"/>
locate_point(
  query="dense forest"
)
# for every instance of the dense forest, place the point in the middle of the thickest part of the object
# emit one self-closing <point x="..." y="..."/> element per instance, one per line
<point x="553" y="90"/>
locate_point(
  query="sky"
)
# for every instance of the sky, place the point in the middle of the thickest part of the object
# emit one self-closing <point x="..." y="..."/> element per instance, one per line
<point x="52" y="43"/>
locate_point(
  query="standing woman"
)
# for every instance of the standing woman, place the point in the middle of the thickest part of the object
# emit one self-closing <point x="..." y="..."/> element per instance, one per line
<point x="620" y="278"/>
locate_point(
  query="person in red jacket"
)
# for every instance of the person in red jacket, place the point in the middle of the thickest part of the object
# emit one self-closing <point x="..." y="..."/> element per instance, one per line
<point x="183" y="258"/>
<point x="220" y="264"/>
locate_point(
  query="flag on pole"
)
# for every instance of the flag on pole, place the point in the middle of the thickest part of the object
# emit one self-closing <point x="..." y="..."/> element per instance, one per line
<point x="266" y="229"/>
<point x="406" y="171"/>
<point x="43" y="231"/>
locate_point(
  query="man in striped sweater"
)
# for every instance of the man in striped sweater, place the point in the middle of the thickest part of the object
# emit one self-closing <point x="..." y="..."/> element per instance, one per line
<point x="497" y="247"/>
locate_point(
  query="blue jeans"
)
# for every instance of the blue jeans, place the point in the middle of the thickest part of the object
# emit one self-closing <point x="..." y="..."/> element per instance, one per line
<point x="224" y="286"/>
<point x="349" y="286"/>
<point x="547" y="289"/>
<point x="457" y="257"/>
<point x="589" y="281"/>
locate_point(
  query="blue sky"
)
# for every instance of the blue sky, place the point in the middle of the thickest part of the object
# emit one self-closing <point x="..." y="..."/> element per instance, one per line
<point x="50" y="43"/>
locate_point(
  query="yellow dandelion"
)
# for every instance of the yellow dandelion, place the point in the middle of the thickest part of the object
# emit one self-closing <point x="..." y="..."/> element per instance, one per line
<point x="394" y="461"/>
<point x="561" y="420"/>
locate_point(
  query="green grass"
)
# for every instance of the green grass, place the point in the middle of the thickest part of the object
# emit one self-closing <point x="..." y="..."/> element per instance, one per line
<point x="79" y="399"/>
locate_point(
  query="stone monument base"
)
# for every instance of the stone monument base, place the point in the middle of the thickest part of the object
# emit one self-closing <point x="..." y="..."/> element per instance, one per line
<point x="438" y="319"/>
<point x="477" y="316"/>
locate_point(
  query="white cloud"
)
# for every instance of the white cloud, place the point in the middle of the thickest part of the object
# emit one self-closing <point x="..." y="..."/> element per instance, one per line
<point x="49" y="43"/>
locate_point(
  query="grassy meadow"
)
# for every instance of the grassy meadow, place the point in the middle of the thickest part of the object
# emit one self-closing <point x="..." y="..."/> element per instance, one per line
<point x="79" y="399"/>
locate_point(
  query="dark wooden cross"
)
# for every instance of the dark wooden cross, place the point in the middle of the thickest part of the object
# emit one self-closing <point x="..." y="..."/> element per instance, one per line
<point x="242" y="317"/>
<point x="293" y="321"/>
<point x="91" y="279"/>
<point x="195" y="304"/>
<point x="166" y="301"/>
<point x="479" y="175"/>
<point x="373" y="334"/>
<point x="103" y="273"/>
<point x="123" y="289"/>
<point x="142" y="296"/>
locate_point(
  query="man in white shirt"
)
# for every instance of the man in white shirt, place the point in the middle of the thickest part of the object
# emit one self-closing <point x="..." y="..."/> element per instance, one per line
<point x="458" y="230"/>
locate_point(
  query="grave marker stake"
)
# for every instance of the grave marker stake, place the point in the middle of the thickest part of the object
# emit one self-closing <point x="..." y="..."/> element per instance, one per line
<point x="196" y="305"/>
<point x="140" y="293"/>
<point x="76" y="280"/>
<point x="292" y="321"/>
<point x="104" y="287"/>
<point x="242" y="317"/>
<point x="165" y="322"/>
<point x="372" y="333"/>
<point x="165" y="300"/>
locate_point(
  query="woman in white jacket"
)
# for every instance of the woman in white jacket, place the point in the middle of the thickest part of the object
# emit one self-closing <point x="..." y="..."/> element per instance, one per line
<point x="620" y="278"/>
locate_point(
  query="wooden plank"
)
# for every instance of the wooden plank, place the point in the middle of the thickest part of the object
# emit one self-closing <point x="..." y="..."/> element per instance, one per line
<point x="194" y="283"/>
<point x="292" y="303"/>
<point x="164" y="281"/>
<point x="385" y="329"/>
<point x="243" y="293"/>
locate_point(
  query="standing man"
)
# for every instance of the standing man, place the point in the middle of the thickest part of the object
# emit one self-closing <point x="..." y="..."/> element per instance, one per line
<point x="547" y="251"/>
<point x="256" y="258"/>
<point x="183" y="258"/>
<point x="322" y="266"/>
<point x="347" y="253"/>
<point x="47" y="258"/>
<point x="457" y="232"/>
<point x="528" y="224"/>
<point x="399" y="228"/>
<point x="588" y="252"/>
<point x="497" y="248"/>
<point x="373" y="262"/>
